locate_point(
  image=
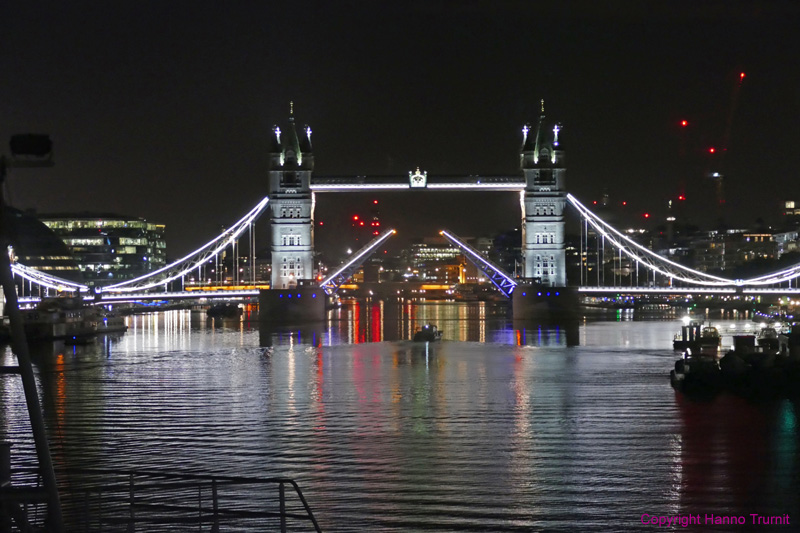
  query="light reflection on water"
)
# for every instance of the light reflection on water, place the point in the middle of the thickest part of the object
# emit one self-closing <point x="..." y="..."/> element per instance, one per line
<point x="499" y="427"/>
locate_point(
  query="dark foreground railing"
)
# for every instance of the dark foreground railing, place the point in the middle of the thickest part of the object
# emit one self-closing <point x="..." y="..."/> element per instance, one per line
<point x="109" y="501"/>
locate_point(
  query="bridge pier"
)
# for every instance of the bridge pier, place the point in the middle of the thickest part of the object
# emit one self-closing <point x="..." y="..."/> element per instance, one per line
<point x="544" y="303"/>
<point x="282" y="306"/>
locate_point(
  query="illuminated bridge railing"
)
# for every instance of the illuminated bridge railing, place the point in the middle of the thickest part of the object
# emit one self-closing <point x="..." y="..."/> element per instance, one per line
<point x="346" y="271"/>
<point x="385" y="183"/>
<point x="499" y="279"/>
<point x="189" y="263"/>
<point x="689" y="291"/>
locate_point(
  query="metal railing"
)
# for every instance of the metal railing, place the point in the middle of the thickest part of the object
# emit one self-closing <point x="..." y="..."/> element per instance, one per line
<point x="107" y="501"/>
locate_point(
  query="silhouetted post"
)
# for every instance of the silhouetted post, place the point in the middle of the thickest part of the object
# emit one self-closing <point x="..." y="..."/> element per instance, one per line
<point x="28" y="151"/>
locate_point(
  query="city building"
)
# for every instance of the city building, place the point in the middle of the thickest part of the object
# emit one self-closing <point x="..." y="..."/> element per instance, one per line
<point x="107" y="247"/>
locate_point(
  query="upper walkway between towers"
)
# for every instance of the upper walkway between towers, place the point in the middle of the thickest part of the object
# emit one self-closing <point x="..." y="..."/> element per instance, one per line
<point x="416" y="180"/>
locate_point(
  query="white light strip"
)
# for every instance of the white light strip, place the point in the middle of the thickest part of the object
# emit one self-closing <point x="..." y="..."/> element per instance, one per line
<point x="45" y="282"/>
<point x="442" y="186"/>
<point x="183" y="295"/>
<point x="224" y="240"/>
<point x="596" y="222"/>
<point x="659" y="290"/>
<point x="767" y="279"/>
<point x="350" y="186"/>
<point x="479" y="257"/>
<point x="386" y="234"/>
<point x="503" y="186"/>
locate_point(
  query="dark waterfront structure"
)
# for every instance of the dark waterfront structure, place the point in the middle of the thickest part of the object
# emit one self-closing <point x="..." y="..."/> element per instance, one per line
<point x="36" y="246"/>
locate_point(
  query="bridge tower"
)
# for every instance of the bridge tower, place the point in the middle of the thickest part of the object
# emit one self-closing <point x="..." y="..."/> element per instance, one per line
<point x="543" y="294"/>
<point x="291" y="206"/>
<point x="542" y="162"/>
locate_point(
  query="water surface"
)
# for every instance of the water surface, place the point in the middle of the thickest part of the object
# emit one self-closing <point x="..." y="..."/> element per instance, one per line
<point x="498" y="427"/>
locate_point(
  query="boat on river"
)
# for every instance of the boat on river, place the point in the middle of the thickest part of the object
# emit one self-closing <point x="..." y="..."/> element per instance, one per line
<point x="750" y="369"/>
<point x="695" y="336"/>
<point x="68" y="319"/>
<point x="427" y="333"/>
<point x="59" y="318"/>
<point x="771" y="339"/>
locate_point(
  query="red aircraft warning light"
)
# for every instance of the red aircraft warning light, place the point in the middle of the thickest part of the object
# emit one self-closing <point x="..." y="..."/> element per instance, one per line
<point x="647" y="215"/>
<point x="684" y="123"/>
<point x="681" y="197"/>
<point x="712" y="150"/>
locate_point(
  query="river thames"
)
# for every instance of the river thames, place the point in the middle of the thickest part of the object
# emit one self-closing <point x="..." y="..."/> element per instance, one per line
<point x="498" y="427"/>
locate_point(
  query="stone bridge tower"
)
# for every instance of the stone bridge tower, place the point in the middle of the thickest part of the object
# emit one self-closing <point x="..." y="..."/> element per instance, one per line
<point x="291" y="206"/>
<point x="545" y="197"/>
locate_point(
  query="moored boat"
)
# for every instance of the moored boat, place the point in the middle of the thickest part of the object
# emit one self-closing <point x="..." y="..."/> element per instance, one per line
<point x="695" y="336"/>
<point x="59" y="318"/>
<point x="771" y="339"/>
<point x="697" y="373"/>
<point x="749" y="370"/>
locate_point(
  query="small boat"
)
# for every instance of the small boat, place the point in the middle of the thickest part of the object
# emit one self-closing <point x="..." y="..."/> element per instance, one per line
<point x="695" y="336"/>
<point x="428" y="333"/>
<point x="697" y="373"/>
<point x="770" y="339"/>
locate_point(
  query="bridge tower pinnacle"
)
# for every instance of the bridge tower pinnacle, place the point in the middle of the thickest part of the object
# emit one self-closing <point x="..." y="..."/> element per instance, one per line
<point x="291" y="205"/>
<point x="543" y="203"/>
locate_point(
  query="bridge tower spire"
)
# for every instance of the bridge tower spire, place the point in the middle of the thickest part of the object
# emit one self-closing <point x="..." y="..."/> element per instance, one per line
<point x="542" y="163"/>
<point x="291" y="205"/>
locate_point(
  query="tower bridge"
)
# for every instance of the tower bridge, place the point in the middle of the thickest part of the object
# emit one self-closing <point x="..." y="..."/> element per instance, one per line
<point x="541" y="184"/>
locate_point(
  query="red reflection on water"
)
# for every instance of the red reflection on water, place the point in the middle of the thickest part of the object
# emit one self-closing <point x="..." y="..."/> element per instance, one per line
<point x="724" y="453"/>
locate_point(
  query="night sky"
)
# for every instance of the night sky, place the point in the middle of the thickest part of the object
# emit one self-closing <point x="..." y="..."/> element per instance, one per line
<point x="163" y="109"/>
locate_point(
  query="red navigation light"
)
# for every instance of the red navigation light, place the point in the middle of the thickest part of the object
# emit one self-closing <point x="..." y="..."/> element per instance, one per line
<point x="320" y="223"/>
<point x="712" y="150"/>
<point x="741" y="75"/>
<point x="594" y="202"/>
<point x="684" y="123"/>
<point x="647" y="215"/>
<point x="374" y="201"/>
<point x="624" y="203"/>
<point x="681" y="197"/>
